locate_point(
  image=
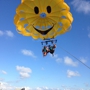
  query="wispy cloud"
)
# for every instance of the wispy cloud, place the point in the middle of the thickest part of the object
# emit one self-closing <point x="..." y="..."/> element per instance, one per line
<point x="89" y="35"/>
<point x="28" y="53"/>
<point x="24" y="71"/>
<point x="87" y="84"/>
<point x="3" y="72"/>
<point x="1" y="33"/>
<point x="1" y="79"/>
<point x="83" y="60"/>
<point x="72" y="73"/>
<point x="7" y="33"/>
<point x="71" y="88"/>
<point x="69" y="61"/>
<point x="46" y="88"/>
<point x="56" y="57"/>
<point x="59" y="60"/>
<point x="88" y="31"/>
<point x="7" y="86"/>
<point x="81" y="6"/>
<point x="42" y="68"/>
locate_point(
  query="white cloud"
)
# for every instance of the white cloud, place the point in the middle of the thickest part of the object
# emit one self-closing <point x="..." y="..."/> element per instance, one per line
<point x="1" y="33"/>
<point x="9" y="33"/>
<point x="54" y="56"/>
<point x="6" y="86"/>
<point x="4" y="72"/>
<point x="38" y="88"/>
<point x="1" y="79"/>
<point x="24" y="71"/>
<point x="81" y="6"/>
<point x="58" y="60"/>
<point x="24" y="74"/>
<point x="28" y="53"/>
<point x="83" y="60"/>
<point x="72" y="73"/>
<point x="69" y="61"/>
<point x="26" y="88"/>
<point x="72" y="88"/>
<point x="46" y="88"/>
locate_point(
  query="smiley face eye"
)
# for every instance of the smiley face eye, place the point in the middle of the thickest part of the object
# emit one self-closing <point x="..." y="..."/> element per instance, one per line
<point x="36" y="10"/>
<point x="48" y="9"/>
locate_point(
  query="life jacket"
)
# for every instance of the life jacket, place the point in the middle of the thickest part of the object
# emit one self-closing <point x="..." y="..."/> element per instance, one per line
<point x="44" y="49"/>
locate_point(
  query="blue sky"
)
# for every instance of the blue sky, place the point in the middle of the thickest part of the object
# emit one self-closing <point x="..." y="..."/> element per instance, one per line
<point x="23" y="65"/>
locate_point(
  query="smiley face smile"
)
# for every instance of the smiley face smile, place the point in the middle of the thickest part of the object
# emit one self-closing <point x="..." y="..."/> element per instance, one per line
<point x="45" y="31"/>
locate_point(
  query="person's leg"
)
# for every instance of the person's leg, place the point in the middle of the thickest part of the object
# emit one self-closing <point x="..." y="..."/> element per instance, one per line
<point x="45" y="53"/>
<point x="54" y="46"/>
<point x="51" y="51"/>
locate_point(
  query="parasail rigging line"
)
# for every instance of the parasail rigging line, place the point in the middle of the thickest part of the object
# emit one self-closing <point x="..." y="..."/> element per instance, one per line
<point x="75" y="57"/>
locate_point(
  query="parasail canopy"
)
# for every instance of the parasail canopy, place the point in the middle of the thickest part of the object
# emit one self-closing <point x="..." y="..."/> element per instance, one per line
<point x="43" y="18"/>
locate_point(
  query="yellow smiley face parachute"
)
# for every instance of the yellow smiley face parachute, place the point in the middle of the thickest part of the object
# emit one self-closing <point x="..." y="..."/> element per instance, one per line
<point x="43" y="19"/>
